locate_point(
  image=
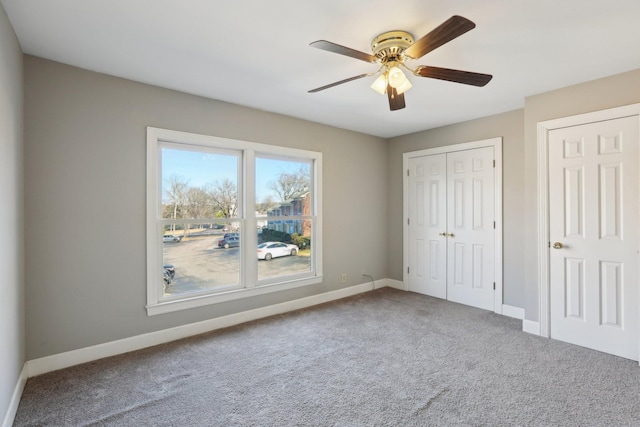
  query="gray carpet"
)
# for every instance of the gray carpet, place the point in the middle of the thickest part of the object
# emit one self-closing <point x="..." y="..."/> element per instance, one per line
<point x="386" y="358"/>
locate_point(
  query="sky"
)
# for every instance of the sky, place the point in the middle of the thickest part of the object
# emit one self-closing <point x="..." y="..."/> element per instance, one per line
<point x="200" y="168"/>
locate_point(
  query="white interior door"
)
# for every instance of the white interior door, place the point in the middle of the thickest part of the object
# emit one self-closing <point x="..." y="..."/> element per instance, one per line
<point x="470" y="225"/>
<point x="593" y="231"/>
<point x="451" y="226"/>
<point x="428" y="225"/>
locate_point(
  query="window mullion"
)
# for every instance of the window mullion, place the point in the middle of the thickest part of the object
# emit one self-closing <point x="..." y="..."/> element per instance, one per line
<point x="153" y="213"/>
<point x="250" y="236"/>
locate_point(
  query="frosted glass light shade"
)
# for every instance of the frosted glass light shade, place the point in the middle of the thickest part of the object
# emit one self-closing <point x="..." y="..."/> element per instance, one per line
<point x="404" y="86"/>
<point x="396" y="77"/>
<point x="380" y="85"/>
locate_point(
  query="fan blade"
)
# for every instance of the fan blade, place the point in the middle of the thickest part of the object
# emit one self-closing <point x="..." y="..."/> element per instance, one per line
<point x="342" y="50"/>
<point x="396" y="102"/>
<point x="457" y="76"/>
<point x="447" y="31"/>
<point x="350" y="79"/>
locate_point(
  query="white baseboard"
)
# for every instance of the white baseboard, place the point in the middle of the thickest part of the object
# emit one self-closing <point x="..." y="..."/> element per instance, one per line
<point x="12" y="410"/>
<point x="397" y="284"/>
<point x="531" y="327"/>
<point x="511" y="311"/>
<point x="113" y="348"/>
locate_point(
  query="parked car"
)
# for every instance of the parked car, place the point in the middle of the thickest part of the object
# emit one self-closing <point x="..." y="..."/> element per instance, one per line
<point x="231" y="235"/>
<point x="268" y="250"/>
<point x="229" y="242"/>
<point x="170" y="270"/>
<point x="168" y="274"/>
<point x="171" y="238"/>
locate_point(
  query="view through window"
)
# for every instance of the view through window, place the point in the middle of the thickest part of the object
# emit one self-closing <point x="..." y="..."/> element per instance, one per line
<point x="228" y="216"/>
<point x="200" y="200"/>
<point x="283" y="214"/>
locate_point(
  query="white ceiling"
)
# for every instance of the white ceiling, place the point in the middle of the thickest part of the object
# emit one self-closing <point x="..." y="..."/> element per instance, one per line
<point x="255" y="53"/>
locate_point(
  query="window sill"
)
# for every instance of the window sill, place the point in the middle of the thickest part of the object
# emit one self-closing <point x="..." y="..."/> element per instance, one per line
<point x="236" y="294"/>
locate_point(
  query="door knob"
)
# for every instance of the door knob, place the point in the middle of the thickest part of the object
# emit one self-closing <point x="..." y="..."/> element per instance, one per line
<point x="451" y="235"/>
<point x="443" y="234"/>
<point x="557" y="245"/>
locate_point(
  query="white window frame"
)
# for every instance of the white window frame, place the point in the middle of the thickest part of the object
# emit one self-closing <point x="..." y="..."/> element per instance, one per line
<point x="250" y="286"/>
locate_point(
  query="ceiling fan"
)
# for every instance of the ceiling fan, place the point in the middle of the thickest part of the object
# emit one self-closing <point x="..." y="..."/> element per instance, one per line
<point x="393" y="49"/>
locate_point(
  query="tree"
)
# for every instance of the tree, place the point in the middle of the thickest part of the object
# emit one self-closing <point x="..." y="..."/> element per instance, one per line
<point x="291" y="185"/>
<point x="175" y="190"/>
<point x="198" y="203"/>
<point x="266" y="204"/>
<point x="224" y="198"/>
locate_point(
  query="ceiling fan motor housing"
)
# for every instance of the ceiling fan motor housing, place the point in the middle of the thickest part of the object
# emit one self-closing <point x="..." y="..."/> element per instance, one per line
<point x="390" y="45"/>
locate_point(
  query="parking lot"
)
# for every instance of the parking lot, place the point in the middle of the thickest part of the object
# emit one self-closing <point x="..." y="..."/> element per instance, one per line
<point x="200" y="265"/>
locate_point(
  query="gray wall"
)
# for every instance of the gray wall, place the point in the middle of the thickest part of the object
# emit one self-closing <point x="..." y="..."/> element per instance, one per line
<point x="609" y="92"/>
<point x="85" y="201"/>
<point x="85" y="186"/>
<point x="510" y="126"/>
<point x="12" y="329"/>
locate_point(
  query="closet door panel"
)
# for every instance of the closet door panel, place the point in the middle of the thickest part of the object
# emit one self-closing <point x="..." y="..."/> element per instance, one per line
<point x="470" y="231"/>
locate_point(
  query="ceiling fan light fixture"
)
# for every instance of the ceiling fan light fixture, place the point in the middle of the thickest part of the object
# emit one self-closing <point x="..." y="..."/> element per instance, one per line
<point x="380" y="84"/>
<point x="396" y="77"/>
<point x="392" y="49"/>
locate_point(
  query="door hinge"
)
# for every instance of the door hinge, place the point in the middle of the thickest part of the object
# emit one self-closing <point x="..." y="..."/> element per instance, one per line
<point x="408" y="221"/>
<point x="494" y="163"/>
<point x="407" y="172"/>
<point x="494" y="225"/>
<point x="408" y="269"/>
<point x="494" y="286"/>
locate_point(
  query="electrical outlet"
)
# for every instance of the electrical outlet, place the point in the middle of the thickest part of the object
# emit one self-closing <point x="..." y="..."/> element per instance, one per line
<point x="344" y="278"/>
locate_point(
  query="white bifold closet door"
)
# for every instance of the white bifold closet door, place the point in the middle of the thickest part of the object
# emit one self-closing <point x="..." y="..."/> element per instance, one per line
<point x="452" y="226"/>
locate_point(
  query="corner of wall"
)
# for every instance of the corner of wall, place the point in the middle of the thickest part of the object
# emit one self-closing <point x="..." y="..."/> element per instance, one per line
<point x="12" y="410"/>
<point x="12" y="303"/>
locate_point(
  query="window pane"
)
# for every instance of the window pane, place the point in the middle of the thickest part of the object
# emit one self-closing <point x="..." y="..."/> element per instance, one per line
<point x="283" y="190"/>
<point x="200" y="257"/>
<point x="282" y="187"/>
<point x="199" y="184"/>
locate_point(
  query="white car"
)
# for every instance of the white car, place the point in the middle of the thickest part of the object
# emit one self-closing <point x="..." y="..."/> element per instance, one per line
<point x="171" y="238"/>
<point x="268" y="250"/>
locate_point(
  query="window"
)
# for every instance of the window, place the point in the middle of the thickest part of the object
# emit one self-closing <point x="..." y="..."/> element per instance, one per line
<point x="228" y="219"/>
<point x="283" y="213"/>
